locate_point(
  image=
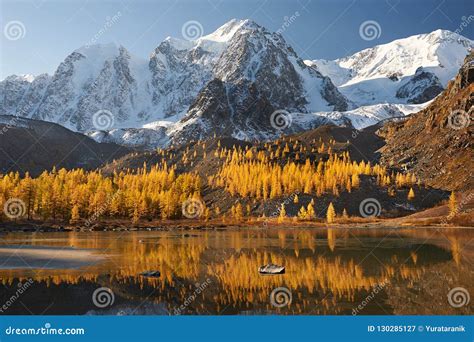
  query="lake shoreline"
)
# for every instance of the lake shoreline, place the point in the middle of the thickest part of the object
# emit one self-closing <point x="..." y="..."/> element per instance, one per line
<point x="437" y="218"/>
<point x="190" y="225"/>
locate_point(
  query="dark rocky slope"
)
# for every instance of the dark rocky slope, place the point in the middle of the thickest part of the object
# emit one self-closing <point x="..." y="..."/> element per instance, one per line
<point x="437" y="143"/>
<point x="35" y="146"/>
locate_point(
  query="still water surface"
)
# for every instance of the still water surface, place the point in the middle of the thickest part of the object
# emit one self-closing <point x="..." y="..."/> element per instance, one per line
<point x="328" y="271"/>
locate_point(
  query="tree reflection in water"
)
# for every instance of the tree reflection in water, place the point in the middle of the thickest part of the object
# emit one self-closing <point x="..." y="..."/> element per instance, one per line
<point x="327" y="271"/>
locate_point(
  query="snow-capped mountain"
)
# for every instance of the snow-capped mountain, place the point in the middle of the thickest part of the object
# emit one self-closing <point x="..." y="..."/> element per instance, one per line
<point x="21" y="95"/>
<point x="135" y="92"/>
<point x="230" y="82"/>
<point x="144" y="138"/>
<point x="409" y="70"/>
<point x="100" y="77"/>
<point x="256" y="74"/>
<point x="363" y="116"/>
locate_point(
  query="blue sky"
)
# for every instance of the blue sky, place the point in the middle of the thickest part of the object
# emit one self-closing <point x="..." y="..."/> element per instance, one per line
<point x="50" y="30"/>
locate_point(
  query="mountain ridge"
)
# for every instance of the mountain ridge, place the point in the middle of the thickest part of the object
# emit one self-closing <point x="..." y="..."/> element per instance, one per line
<point x="138" y="92"/>
<point x="229" y="82"/>
<point x="390" y="66"/>
<point x="34" y="146"/>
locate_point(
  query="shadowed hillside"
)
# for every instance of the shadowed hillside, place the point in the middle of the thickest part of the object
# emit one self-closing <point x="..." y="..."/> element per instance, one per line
<point x="35" y="146"/>
<point x="436" y="143"/>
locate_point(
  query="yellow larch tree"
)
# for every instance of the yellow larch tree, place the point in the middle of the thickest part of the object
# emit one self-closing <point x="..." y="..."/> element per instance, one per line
<point x="331" y="214"/>
<point x="453" y="204"/>
<point x="282" y="216"/>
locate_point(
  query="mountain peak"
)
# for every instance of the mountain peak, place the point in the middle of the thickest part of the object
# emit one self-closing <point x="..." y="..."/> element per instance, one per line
<point x="441" y="36"/>
<point x="232" y="26"/>
<point x="214" y="42"/>
<point x="442" y="33"/>
<point x="100" y="50"/>
<point x="225" y="32"/>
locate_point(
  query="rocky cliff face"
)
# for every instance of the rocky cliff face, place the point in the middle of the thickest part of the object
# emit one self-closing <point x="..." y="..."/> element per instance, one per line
<point x="422" y="87"/>
<point x="436" y="143"/>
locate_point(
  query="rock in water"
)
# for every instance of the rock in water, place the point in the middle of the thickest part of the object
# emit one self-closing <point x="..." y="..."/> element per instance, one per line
<point x="271" y="269"/>
<point x="151" y="274"/>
